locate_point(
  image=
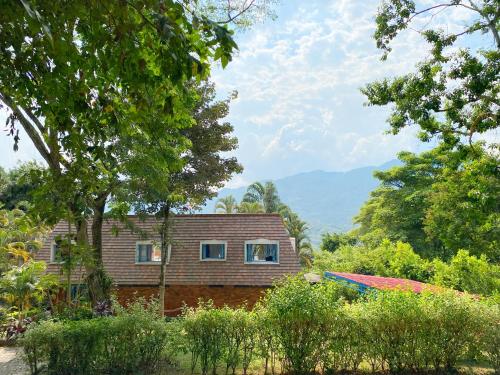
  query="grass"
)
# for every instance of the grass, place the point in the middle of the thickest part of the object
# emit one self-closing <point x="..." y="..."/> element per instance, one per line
<point x="182" y="366"/>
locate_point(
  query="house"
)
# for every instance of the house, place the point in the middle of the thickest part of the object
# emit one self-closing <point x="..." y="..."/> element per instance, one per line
<point x="229" y="258"/>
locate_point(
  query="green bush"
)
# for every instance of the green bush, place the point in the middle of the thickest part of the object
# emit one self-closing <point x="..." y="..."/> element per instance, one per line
<point x="126" y="343"/>
<point x="204" y="328"/>
<point x="219" y="336"/>
<point x="300" y="314"/>
<point x="303" y="327"/>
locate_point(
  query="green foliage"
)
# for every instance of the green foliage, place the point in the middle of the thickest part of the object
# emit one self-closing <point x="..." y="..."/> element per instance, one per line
<point x="23" y="286"/>
<point x="17" y="186"/>
<point x="468" y="273"/>
<point x="439" y="202"/>
<point x="219" y="336"/>
<point x="463" y="272"/>
<point x="226" y="205"/>
<point x="387" y="259"/>
<point x="20" y="235"/>
<point x="305" y="327"/>
<point x="250" y="208"/>
<point x="265" y="194"/>
<point x="454" y="92"/>
<point x="332" y="241"/>
<point x="131" y="342"/>
<point x="100" y="90"/>
<point x="299" y="314"/>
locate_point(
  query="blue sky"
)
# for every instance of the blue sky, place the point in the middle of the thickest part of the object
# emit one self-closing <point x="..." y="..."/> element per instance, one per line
<point x="298" y="77"/>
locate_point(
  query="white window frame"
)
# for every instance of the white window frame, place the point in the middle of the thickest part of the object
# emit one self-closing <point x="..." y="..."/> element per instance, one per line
<point x="213" y="242"/>
<point x="261" y="241"/>
<point x="53" y="253"/>
<point x="153" y="243"/>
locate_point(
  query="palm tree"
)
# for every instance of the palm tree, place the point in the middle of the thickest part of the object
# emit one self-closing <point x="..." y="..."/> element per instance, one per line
<point x="226" y="205"/>
<point x="266" y="195"/>
<point x="297" y="229"/>
<point x="250" y="208"/>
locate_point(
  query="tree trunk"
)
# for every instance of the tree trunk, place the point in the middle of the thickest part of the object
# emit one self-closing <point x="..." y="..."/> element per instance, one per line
<point x="165" y="240"/>
<point x="98" y="283"/>
<point x="70" y="240"/>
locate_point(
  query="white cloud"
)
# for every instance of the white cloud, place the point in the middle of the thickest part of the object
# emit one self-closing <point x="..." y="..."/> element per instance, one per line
<point x="299" y="81"/>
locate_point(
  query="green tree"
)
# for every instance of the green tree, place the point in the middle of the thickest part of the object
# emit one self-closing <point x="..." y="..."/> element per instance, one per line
<point x="439" y="201"/>
<point x="94" y="84"/>
<point x="297" y="229"/>
<point x="18" y="184"/>
<point x="454" y="93"/>
<point x="332" y="241"/>
<point x="226" y="205"/>
<point x="266" y="194"/>
<point x="468" y="273"/>
<point x="202" y="172"/>
<point x="250" y="208"/>
<point x="464" y="208"/>
<point x="396" y="209"/>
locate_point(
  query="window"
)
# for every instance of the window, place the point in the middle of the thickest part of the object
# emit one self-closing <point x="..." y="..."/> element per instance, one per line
<point x="213" y="250"/>
<point x="59" y="249"/>
<point x="147" y="252"/>
<point x="262" y="251"/>
<point x="55" y="253"/>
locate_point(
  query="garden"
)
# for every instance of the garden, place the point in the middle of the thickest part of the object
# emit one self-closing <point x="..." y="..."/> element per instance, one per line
<point x="297" y="328"/>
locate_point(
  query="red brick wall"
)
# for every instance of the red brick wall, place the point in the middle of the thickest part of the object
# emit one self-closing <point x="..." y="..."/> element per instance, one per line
<point x="177" y="295"/>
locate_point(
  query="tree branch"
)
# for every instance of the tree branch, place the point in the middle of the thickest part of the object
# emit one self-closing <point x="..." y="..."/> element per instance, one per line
<point x="232" y="18"/>
<point x="30" y="130"/>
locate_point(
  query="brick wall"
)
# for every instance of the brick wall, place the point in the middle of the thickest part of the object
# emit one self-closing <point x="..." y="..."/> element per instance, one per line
<point x="177" y="295"/>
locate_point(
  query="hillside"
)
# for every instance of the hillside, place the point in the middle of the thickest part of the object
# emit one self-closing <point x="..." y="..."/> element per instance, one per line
<point x="326" y="200"/>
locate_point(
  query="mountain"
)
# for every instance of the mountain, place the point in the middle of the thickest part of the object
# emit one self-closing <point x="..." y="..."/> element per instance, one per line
<point x="327" y="201"/>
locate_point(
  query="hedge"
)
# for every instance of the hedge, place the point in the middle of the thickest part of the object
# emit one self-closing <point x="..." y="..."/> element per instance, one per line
<point x="298" y="327"/>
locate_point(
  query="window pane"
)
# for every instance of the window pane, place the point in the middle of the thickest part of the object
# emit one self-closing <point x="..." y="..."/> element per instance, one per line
<point x="156" y="257"/>
<point x="145" y="253"/>
<point x="57" y="253"/>
<point x="213" y="251"/>
<point x="262" y="252"/>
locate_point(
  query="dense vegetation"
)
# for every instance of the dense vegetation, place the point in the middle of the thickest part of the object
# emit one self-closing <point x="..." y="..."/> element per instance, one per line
<point x="439" y="202"/>
<point x="297" y="328"/>
<point x="116" y="100"/>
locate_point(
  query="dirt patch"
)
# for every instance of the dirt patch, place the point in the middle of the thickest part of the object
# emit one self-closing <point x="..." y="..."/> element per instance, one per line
<point x="11" y="362"/>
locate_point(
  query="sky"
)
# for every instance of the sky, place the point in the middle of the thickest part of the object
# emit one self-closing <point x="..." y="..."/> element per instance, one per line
<point x="299" y="106"/>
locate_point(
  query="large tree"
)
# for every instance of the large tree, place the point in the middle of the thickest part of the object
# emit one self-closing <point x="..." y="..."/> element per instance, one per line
<point x="439" y="202"/>
<point x="203" y="170"/>
<point x="95" y="84"/>
<point x="454" y="92"/>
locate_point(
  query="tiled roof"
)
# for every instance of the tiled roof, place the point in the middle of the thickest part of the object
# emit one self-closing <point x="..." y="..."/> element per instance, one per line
<point x="185" y="267"/>
<point x="383" y="283"/>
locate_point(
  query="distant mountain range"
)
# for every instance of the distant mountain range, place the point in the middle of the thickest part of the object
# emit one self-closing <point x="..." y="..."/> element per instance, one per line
<point x="327" y="201"/>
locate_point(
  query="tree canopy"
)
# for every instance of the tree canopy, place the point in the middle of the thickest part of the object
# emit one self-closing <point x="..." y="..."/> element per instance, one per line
<point x="454" y="93"/>
<point x="100" y="88"/>
<point x="439" y="202"/>
<point x="18" y="185"/>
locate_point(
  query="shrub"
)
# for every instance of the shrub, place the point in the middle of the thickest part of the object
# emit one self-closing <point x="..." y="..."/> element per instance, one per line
<point x="205" y="328"/>
<point x="299" y="315"/>
<point x="127" y="343"/>
<point x="490" y="338"/>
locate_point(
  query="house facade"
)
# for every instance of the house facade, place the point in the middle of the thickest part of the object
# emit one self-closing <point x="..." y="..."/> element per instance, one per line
<point x="229" y="258"/>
